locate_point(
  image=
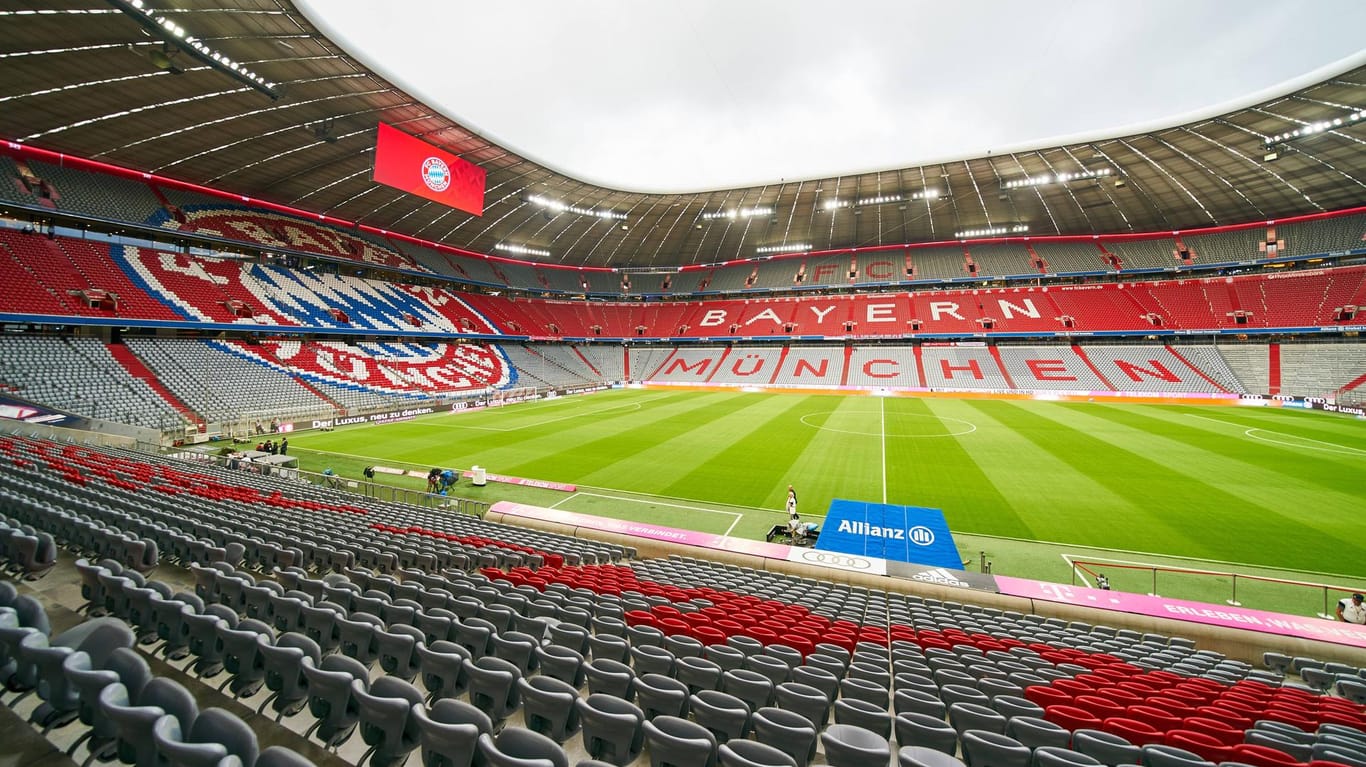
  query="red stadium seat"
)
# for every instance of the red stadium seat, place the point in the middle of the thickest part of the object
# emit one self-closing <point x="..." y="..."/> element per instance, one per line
<point x="1099" y="706"/>
<point x="1260" y="756"/>
<point x="1047" y="696"/>
<point x="1071" y="717"/>
<point x="1132" y="730"/>
<point x="1207" y="746"/>
<point x="1222" y="731"/>
<point x="1153" y="717"/>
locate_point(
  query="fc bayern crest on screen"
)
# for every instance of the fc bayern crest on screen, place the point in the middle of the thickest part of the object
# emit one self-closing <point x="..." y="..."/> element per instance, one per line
<point x="435" y="174"/>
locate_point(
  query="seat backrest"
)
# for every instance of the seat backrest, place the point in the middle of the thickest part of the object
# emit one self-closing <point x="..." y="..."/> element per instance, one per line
<point x="516" y="747"/>
<point x="749" y="753"/>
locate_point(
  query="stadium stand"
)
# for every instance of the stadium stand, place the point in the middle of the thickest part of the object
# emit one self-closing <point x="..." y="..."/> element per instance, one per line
<point x="1251" y="365"/>
<point x="81" y="376"/>
<point x="1005" y="260"/>
<point x="98" y="196"/>
<point x="159" y="285"/>
<point x="264" y="562"/>
<point x="550" y="365"/>
<point x="199" y="371"/>
<point x="1320" y="370"/>
<point x="939" y="263"/>
<point x="1157" y="253"/>
<point x="1065" y="257"/>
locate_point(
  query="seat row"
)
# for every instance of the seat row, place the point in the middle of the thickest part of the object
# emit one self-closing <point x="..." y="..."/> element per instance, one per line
<point x="90" y="673"/>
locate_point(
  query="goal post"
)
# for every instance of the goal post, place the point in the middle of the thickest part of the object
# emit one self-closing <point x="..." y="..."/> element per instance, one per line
<point x="512" y="394"/>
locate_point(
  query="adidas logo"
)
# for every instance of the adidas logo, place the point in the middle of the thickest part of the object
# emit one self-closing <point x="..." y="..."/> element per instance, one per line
<point x="941" y="576"/>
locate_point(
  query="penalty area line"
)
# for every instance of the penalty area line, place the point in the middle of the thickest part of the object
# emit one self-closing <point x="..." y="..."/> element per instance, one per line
<point x="1073" y="567"/>
<point x="735" y="515"/>
<point x="1256" y="432"/>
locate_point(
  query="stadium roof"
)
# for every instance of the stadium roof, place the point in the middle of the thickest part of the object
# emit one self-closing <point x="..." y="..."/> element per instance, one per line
<point x="85" y="77"/>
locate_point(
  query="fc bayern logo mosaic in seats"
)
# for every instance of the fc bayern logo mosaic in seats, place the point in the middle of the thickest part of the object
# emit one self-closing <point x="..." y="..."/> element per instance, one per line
<point x="435" y="174"/>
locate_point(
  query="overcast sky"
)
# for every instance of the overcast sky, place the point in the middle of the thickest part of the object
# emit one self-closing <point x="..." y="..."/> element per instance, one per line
<point x="711" y="94"/>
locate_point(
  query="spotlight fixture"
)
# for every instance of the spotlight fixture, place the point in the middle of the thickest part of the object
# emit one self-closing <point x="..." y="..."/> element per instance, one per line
<point x="798" y="248"/>
<point x="176" y="39"/>
<point x="836" y="203"/>
<point x="1060" y="178"/>
<point x="991" y="231"/>
<point x="522" y="250"/>
<point x="1314" y="128"/>
<point x="737" y="213"/>
<point x="560" y="207"/>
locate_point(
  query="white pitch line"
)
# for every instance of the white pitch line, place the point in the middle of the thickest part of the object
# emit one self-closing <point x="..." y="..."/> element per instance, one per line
<point x="882" y="431"/>
<point x="566" y="499"/>
<point x="657" y="503"/>
<point x="733" y="523"/>
<point x="1218" y="420"/>
<point x="635" y="405"/>
<point x="1073" y="567"/>
<point x="737" y="516"/>
<point x="1248" y="431"/>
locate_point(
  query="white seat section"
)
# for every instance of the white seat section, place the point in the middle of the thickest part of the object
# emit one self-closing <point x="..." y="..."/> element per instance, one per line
<point x="883" y="366"/>
<point x="1006" y="260"/>
<point x="939" y="263"/>
<point x="608" y="360"/>
<point x="1157" y="369"/>
<point x="552" y="365"/>
<point x="812" y="366"/>
<point x="645" y="360"/>
<point x="1064" y="257"/>
<point x="685" y="365"/>
<point x="80" y="376"/>
<point x="222" y="386"/>
<point x="1156" y="253"/>
<point x="1050" y="368"/>
<point x="962" y="367"/>
<point x="1320" y="370"/>
<point x="1251" y="364"/>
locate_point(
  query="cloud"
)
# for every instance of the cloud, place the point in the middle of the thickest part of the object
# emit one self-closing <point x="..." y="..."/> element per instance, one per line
<point x="712" y="95"/>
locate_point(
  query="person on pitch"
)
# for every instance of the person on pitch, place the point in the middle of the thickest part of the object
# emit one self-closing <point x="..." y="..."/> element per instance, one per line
<point x="1351" y="610"/>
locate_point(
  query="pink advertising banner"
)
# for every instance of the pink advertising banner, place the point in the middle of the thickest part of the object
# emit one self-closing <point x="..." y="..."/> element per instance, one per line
<point x="1183" y="610"/>
<point x="541" y="483"/>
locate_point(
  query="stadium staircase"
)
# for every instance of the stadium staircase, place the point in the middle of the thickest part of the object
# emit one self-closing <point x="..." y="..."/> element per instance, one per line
<point x="590" y="365"/>
<point x="1195" y="368"/>
<point x="996" y="355"/>
<point x="1273" y="369"/>
<point x="1081" y="353"/>
<point x="130" y="362"/>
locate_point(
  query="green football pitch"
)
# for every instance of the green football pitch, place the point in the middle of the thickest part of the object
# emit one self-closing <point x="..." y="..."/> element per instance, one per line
<point x="1031" y="485"/>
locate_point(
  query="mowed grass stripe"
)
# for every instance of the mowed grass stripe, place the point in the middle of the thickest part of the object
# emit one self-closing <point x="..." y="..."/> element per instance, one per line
<point x="836" y="453"/>
<point x="592" y="450"/>
<point x="1284" y="463"/>
<point x="763" y="443"/>
<point x="944" y="471"/>
<point x="1120" y="463"/>
<point x="1199" y="503"/>
<point x="1024" y="479"/>
<point x="1273" y="527"/>
<point x="525" y="430"/>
